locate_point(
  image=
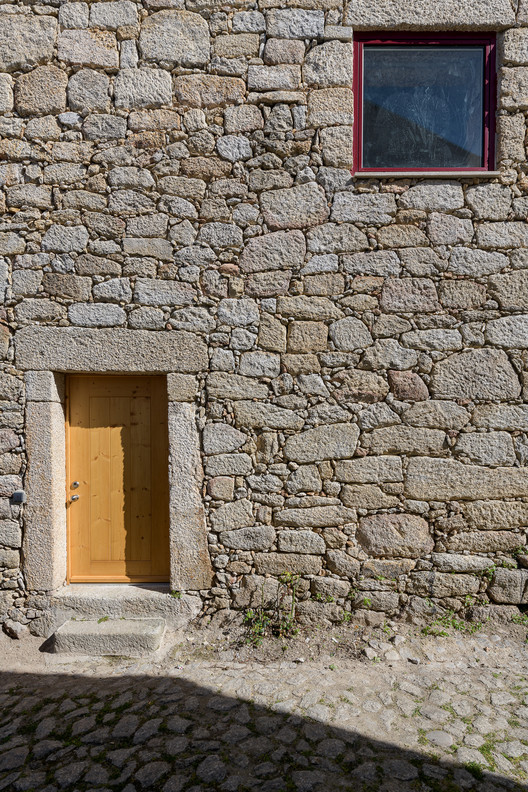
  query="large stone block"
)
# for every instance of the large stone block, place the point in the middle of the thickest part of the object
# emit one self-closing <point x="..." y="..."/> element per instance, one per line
<point x="350" y="333"/>
<point x="142" y="88"/>
<point x="280" y="563"/>
<point x="433" y="197"/>
<point x="257" y="537"/>
<point x="442" y="584"/>
<point x="490" y="448"/>
<point x="163" y="292"/>
<point x="41" y="91"/>
<point x="502" y="235"/>
<point x="329" y="64"/>
<point x="395" y="536"/>
<point x="81" y="349"/>
<point x="45" y="516"/>
<point x="443" y="15"/>
<point x="330" y="106"/>
<point x="88" y="91"/>
<point x="409" y="295"/>
<point x="367" y="496"/>
<point x="280" y="250"/>
<point x="360" y="386"/>
<point x="508" y="331"/>
<point x="509" y="585"/>
<point x="6" y="93"/>
<point x="513" y="44"/>
<point x="510" y="290"/>
<point x="510" y="417"/>
<point x="208" y="90"/>
<point x="513" y="88"/>
<point x="405" y="440"/>
<point x="370" y="208"/>
<point x="295" y="23"/>
<point x="26" y="41"/>
<point x="437" y="414"/>
<point x="452" y="562"/>
<point x="485" y="542"/>
<point x="446" y="479"/>
<point x="274" y="78"/>
<point x="369" y="470"/>
<point x="238" y="514"/>
<point x="475" y="263"/>
<point x="299" y="207"/>
<point x="190" y="561"/>
<point x="316" y="517"/>
<point x="221" y="438"/>
<point x="301" y="542"/>
<point x="229" y="465"/>
<point x="96" y="315"/>
<point x="490" y="201"/>
<point x="89" y="48"/>
<point x="303" y="307"/>
<point x="511" y="131"/>
<point x="65" y="239"/>
<point x="336" y="238"/>
<point x="337" y="441"/>
<point x="113" y="15"/>
<point x="177" y="38"/>
<point x="232" y="386"/>
<point x="475" y="374"/>
<point x="496" y="515"/>
<point x="265" y="416"/>
<point x="107" y="127"/>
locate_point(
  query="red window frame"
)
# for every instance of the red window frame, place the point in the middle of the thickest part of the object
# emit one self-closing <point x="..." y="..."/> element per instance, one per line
<point x="487" y="40"/>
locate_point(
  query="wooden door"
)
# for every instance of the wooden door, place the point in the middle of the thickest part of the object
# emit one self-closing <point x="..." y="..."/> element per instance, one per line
<point x="117" y="479"/>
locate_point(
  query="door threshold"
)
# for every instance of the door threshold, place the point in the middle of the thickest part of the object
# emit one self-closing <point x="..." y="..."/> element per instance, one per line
<point x="113" y="590"/>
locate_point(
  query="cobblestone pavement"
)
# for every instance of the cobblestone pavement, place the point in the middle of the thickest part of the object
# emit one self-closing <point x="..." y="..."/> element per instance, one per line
<point x="217" y="724"/>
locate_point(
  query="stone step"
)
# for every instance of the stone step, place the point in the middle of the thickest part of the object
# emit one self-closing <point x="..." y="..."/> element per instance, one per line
<point x="104" y="636"/>
<point x="115" y="600"/>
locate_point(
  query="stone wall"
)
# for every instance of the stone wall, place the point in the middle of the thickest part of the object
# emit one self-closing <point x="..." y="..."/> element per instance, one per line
<point x="174" y="166"/>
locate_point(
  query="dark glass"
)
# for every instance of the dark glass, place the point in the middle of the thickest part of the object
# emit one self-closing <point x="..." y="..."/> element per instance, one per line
<point x="423" y="106"/>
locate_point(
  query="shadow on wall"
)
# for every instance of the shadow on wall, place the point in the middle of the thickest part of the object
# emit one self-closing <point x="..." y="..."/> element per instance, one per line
<point x="136" y="733"/>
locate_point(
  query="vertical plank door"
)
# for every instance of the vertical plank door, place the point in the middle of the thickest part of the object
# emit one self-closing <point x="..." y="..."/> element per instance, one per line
<point x="118" y="478"/>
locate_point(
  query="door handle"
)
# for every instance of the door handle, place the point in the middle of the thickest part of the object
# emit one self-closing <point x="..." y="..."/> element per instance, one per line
<point x="74" y="498"/>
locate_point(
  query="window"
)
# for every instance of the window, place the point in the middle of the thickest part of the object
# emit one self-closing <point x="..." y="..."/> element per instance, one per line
<point x="424" y="102"/>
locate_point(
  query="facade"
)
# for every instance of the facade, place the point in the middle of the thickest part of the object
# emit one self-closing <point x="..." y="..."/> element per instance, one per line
<point x="235" y="343"/>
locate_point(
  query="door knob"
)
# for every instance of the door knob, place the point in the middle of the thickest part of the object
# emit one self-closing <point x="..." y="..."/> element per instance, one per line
<point x="75" y="484"/>
<point x="74" y="498"/>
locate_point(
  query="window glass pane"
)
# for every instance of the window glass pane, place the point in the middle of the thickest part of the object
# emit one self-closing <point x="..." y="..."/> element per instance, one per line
<point x="423" y="106"/>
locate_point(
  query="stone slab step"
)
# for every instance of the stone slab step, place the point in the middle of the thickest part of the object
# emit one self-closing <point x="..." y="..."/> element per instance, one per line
<point x="123" y="637"/>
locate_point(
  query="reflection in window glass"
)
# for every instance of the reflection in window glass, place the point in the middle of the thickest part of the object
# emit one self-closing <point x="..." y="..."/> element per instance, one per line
<point x="423" y="107"/>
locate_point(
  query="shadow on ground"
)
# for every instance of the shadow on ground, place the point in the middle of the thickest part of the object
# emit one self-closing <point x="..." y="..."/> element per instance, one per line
<point x="134" y="733"/>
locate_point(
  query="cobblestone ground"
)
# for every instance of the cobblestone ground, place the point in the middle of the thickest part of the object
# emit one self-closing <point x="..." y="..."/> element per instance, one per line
<point x="200" y="724"/>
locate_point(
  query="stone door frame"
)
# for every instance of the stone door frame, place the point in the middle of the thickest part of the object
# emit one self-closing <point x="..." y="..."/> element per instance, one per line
<point x="46" y="355"/>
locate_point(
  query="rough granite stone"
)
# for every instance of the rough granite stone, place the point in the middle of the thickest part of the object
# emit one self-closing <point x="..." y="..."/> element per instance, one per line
<point x="142" y="88"/>
<point x="412" y="15"/>
<point x="177" y="38"/>
<point x="41" y="91"/>
<point x="395" y="535"/>
<point x="26" y="41"/>
<point x="87" y="48"/>
<point x="447" y="479"/>
<point x="475" y="374"/>
<point x="71" y="349"/>
<point x="298" y="207"/>
<point x="325" y="442"/>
